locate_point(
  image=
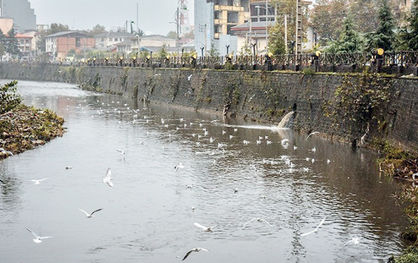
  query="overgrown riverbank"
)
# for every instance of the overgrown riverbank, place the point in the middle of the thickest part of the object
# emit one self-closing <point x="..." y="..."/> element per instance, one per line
<point x="404" y="166"/>
<point x="22" y="127"/>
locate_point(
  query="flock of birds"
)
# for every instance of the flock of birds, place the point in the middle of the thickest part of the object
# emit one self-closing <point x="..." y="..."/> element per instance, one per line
<point x="203" y="134"/>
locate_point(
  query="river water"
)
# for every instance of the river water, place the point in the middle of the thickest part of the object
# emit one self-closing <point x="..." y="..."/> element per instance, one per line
<point x="149" y="213"/>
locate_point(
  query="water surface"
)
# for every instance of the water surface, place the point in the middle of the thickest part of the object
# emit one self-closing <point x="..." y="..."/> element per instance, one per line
<point x="148" y="215"/>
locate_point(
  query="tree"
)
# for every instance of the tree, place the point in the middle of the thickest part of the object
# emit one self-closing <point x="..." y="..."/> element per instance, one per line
<point x="98" y="29"/>
<point x="276" y="43"/>
<point x="9" y="99"/>
<point x="409" y="33"/>
<point x="349" y="41"/>
<point x="327" y="15"/>
<point x="12" y="44"/>
<point x="326" y="19"/>
<point x="384" y="37"/>
<point x="286" y="8"/>
<point x="172" y="35"/>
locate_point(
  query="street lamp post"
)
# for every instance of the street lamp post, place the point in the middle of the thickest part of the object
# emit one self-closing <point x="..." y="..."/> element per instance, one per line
<point x="227" y="49"/>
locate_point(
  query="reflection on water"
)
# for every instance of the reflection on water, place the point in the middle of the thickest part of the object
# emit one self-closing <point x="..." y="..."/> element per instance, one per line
<point x="148" y="215"/>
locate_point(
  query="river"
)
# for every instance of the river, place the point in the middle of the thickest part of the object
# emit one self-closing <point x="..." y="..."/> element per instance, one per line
<point x="264" y="202"/>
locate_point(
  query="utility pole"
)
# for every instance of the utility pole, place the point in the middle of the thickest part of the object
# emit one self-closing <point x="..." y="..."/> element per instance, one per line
<point x="267" y="34"/>
<point x="251" y="24"/>
<point x="137" y="17"/>
<point x="206" y="38"/>
<point x="285" y="33"/>
<point x="298" y="46"/>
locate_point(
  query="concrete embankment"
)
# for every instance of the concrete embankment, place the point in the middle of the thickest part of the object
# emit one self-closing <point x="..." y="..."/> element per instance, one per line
<point x="357" y="108"/>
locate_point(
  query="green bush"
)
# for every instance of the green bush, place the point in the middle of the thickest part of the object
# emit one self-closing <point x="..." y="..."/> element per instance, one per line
<point x="9" y="99"/>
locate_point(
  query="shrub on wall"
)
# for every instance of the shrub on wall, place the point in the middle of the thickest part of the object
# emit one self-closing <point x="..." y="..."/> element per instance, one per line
<point x="8" y="97"/>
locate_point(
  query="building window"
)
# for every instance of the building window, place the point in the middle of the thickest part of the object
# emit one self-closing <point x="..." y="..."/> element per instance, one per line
<point x="77" y="42"/>
<point x="217" y="28"/>
<point x="233" y="17"/>
<point x="216" y="14"/>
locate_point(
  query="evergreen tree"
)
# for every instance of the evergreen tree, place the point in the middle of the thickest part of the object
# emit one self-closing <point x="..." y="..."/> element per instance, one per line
<point x="409" y="34"/>
<point x="350" y="40"/>
<point x="384" y="37"/>
<point x="12" y="44"/>
<point x="276" y="43"/>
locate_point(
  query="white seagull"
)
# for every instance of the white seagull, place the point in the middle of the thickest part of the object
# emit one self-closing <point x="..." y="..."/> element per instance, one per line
<point x="204" y="228"/>
<point x="90" y="215"/>
<point x="179" y="166"/>
<point x="108" y="178"/>
<point x="311" y="134"/>
<point x="354" y="241"/>
<point x="38" y="181"/>
<point x="189" y="77"/>
<point x="315" y="230"/>
<point x="285" y="143"/>
<point x="122" y="152"/>
<point x="198" y="249"/>
<point x="37" y="239"/>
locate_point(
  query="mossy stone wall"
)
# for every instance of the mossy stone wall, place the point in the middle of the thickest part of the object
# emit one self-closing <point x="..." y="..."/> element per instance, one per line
<point x="254" y="95"/>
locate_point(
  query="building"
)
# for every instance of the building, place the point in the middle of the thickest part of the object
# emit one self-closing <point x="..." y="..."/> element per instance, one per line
<point x="254" y="33"/>
<point x="20" y="10"/>
<point x="27" y="43"/>
<point x="214" y="20"/>
<point x="6" y="24"/>
<point x="109" y="40"/>
<point x="60" y="44"/>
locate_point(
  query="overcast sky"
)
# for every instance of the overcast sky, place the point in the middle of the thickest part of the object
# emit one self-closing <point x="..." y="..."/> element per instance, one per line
<point x="154" y="15"/>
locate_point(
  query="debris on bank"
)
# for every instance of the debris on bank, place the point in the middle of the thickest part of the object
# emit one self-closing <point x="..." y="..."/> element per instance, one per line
<point x="24" y="128"/>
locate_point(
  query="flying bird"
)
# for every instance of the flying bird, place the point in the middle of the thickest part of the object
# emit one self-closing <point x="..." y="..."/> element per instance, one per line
<point x="90" y="215"/>
<point x="108" y="178"/>
<point x="311" y="134"/>
<point x="204" y="228"/>
<point x="198" y="249"/>
<point x="37" y="239"/>
<point x="316" y="228"/>
<point x="38" y="181"/>
<point x="285" y="143"/>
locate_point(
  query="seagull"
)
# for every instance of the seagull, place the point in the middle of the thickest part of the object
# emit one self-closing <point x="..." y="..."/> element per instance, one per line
<point x="328" y="161"/>
<point x="198" y="249"/>
<point x="313" y="160"/>
<point x="295" y="147"/>
<point x="258" y="220"/>
<point x="221" y="145"/>
<point x="258" y="142"/>
<point x="37" y="239"/>
<point x="235" y="190"/>
<point x="179" y="166"/>
<point x="311" y="134"/>
<point x="315" y="230"/>
<point x="189" y="77"/>
<point x="285" y="143"/>
<point x="68" y="167"/>
<point x="211" y="140"/>
<point x="268" y="142"/>
<point x="231" y="136"/>
<point x="314" y="149"/>
<point x="108" y="178"/>
<point x="122" y="152"/>
<point x="204" y="228"/>
<point x="90" y="215"/>
<point x="38" y="181"/>
<point x="245" y="142"/>
<point x="235" y="130"/>
<point x="354" y="241"/>
<point x="223" y="132"/>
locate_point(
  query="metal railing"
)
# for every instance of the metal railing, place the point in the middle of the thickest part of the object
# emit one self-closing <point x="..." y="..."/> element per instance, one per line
<point x="390" y="62"/>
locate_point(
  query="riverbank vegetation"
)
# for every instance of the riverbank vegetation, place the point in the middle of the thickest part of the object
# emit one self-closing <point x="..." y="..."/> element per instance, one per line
<point x="22" y="127"/>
